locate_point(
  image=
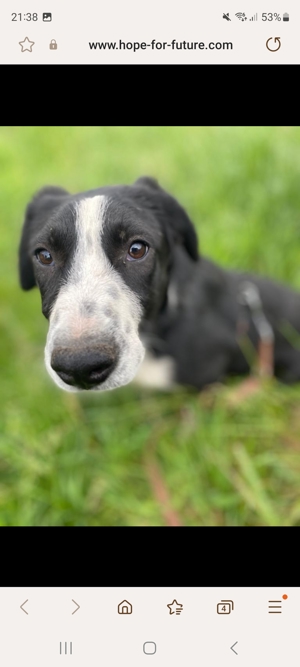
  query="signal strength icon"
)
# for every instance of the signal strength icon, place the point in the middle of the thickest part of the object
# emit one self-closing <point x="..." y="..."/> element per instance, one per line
<point x="241" y="16"/>
<point x="253" y="18"/>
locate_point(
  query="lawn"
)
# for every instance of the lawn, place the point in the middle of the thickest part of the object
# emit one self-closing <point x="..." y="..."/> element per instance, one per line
<point x="132" y="457"/>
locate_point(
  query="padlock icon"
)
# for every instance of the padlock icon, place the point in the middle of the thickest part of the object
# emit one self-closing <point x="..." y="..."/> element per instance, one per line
<point x="53" y="45"/>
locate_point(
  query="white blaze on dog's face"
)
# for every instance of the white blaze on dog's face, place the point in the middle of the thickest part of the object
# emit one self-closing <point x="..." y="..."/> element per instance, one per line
<point x="94" y="310"/>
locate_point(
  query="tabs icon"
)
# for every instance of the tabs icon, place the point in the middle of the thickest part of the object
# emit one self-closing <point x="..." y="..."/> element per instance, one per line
<point x="225" y="607"/>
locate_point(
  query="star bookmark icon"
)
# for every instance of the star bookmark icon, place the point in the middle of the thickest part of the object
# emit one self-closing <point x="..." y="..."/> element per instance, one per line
<point x="26" y="45"/>
<point x="175" y="607"/>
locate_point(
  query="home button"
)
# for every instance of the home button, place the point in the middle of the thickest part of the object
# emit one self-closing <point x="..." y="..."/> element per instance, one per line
<point x="149" y="648"/>
<point x="125" y="607"/>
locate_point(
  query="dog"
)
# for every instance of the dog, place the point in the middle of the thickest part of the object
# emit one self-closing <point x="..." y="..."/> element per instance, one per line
<point x="129" y="297"/>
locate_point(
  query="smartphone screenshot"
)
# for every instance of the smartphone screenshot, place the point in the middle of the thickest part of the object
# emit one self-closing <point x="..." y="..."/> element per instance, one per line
<point x="149" y="333"/>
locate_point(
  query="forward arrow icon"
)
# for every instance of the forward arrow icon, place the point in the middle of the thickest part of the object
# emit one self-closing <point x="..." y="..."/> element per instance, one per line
<point x="77" y="605"/>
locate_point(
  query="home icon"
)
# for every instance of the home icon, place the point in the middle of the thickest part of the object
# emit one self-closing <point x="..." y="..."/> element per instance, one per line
<point x="125" y="607"/>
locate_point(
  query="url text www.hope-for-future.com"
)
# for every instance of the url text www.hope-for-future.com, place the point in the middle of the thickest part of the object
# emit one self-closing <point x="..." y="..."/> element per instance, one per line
<point x="155" y="45"/>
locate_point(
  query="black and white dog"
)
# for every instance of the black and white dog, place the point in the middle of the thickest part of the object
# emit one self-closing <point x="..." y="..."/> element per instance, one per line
<point x="120" y="276"/>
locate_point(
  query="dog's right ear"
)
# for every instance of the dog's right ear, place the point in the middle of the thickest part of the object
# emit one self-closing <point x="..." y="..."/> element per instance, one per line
<point x="148" y="182"/>
<point x="174" y="219"/>
<point x="37" y="214"/>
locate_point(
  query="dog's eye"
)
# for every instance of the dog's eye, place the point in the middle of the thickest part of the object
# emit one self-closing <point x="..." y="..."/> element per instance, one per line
<point x="43" y="256"/>
<point x="137" y="250"/>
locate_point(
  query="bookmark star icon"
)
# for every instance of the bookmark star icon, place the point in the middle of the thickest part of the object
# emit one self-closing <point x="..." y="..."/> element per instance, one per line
<point x="26" y="45"/>
<point x="175" y="607"/>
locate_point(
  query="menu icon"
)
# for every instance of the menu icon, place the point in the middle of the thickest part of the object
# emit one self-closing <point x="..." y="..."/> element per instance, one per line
<point x="275" y="606"/>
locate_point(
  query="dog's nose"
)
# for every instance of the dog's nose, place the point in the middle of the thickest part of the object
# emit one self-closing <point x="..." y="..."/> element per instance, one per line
<point x="83" y="369"/>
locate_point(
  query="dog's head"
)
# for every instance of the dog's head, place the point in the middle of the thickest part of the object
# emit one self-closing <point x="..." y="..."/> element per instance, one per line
<point x="101" y="260"/>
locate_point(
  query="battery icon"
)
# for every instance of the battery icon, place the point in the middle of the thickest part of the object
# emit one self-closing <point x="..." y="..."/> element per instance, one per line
<point x="286" y="17"/>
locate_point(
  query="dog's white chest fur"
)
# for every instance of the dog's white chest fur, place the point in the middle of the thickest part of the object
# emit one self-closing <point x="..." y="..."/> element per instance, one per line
<point x="156" y="373"/>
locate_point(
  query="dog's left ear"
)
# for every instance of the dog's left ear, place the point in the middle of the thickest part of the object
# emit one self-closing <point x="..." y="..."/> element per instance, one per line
<point x="36" y="216"/>
<point x="171" y="215"/>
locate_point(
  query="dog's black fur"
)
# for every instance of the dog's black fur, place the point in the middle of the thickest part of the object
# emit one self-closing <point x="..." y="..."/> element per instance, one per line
<point x="191" y="306"/>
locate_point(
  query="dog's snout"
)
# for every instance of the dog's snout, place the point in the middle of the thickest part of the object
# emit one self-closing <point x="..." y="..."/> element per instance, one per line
<point x="83" y="369"/>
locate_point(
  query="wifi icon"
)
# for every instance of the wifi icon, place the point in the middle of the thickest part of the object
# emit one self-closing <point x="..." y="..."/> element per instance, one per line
<point x="241" y="16"/>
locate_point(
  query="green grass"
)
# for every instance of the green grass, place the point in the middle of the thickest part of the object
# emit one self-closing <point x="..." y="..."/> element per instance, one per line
<point x="84" y="460"/>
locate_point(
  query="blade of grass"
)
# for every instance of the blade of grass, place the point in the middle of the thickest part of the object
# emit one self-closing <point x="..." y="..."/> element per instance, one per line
<point x="251" y="488"/>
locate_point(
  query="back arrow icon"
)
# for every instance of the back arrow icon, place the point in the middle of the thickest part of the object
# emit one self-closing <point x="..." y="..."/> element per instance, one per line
<point x="22" y="605"/>
<point x="78" y="607"/>
<point x="233" y="648"/>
